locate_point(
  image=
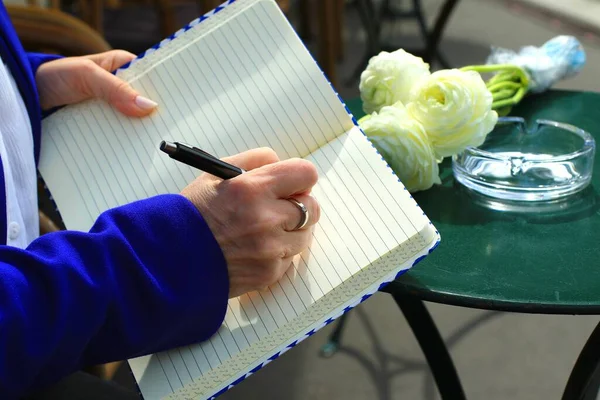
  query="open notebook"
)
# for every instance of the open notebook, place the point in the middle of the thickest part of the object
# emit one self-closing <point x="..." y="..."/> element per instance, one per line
<point x="235" y="79"/>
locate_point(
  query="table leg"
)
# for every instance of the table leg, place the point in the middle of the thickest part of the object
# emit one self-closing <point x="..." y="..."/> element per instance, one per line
<point x="418" y="13"/>
<point x="584" y="382"/>
<point x="432" y="345"/>
<point x="333" y="344"/>
<point x="372" y="21"/>
<point x="435" y="37"/>
<point x="430" y="341"/>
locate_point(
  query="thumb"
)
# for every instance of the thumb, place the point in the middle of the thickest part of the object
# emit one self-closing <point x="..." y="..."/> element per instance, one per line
<point x="252" y="159"/>
<point x="119" y="94"/>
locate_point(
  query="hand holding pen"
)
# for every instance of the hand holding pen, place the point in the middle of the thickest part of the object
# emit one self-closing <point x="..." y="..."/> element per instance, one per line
<point x="261" y="219"/>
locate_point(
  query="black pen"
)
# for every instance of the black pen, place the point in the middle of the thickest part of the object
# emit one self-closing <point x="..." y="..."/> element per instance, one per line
<point x="194" y="157"/>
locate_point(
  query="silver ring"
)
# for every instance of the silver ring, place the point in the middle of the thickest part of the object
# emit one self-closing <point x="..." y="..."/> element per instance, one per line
<point x="304" y="211"/>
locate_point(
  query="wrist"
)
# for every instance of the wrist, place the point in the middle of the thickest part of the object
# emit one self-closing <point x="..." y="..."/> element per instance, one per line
<point x="168" y="233"/>
<point x="42" y="81"/>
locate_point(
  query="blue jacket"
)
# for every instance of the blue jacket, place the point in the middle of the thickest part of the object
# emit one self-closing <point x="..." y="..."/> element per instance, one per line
<point x="149" y="276"/>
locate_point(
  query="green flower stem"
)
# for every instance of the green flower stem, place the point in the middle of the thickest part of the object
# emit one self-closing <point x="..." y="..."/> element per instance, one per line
<point x="508" y="86"/>
<point x="503" y="94"/>
<point x="504" y="85"/>
<point x="492" y="68"/>
<point x="501" y="77"/>
<point x="500" y="68"/>
<point x="511" y="101"/>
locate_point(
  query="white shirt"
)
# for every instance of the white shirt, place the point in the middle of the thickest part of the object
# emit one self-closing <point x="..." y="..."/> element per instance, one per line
<point x="16" y="152"/>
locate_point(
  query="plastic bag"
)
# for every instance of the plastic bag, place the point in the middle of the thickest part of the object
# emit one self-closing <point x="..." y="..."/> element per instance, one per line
<point x="559" y="58"/>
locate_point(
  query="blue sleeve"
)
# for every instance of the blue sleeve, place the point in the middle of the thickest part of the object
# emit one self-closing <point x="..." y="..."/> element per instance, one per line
<point x="37" y="59"/>
<point x="147" y="277"/>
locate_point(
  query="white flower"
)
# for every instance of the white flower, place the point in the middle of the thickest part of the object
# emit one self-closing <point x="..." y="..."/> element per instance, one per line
<point x="455" y="108"/>
<point x="389" y="78"/>
<point x="403" y="143"/>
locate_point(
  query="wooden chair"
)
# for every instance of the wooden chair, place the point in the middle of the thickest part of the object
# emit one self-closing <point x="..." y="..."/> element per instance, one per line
<point x="53" y="31"/>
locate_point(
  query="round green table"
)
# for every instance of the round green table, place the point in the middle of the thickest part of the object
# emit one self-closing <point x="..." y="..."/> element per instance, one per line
<point x="544" y="261"/>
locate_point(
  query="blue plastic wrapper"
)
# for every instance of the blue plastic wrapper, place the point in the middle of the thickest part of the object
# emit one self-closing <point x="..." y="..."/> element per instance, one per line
<point x="559" y="58"/>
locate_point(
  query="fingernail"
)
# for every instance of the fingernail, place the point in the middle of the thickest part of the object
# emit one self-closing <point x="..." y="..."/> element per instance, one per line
<point x="145" y="103"/>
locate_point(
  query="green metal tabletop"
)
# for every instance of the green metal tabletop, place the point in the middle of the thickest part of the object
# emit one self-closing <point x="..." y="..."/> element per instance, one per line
<point x="538" y="262"/>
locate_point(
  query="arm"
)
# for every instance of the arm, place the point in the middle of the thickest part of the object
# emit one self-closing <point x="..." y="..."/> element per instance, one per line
<point x="35" y="61"/>
<point x="142" y="280"/>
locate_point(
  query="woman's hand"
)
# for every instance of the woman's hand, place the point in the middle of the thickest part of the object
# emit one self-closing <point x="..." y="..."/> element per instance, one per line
<point x="252" y="219"/>
<point x="74" y="79"/>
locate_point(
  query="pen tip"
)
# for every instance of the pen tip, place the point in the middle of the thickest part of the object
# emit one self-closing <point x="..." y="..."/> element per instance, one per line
<point x="168" y="147"/>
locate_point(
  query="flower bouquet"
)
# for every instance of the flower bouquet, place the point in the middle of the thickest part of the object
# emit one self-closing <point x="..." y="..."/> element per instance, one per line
<point x="416" y="118"/>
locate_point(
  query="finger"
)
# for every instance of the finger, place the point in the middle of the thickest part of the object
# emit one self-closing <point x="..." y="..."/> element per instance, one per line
<point x="275" y="275"/>
<point x="287" y="264"/>
<point x="112" y="60"/>
<point x="293" y="216"/>
<point x="297" y="242"/>
<point x="118" y="93"/>
<point x="289" y="177"/>
<point x="252" y="159"/>
<point x="284" y="266"/>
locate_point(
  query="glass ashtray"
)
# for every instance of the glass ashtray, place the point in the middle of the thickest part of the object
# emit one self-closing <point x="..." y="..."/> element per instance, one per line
<point x="550" y="161"/>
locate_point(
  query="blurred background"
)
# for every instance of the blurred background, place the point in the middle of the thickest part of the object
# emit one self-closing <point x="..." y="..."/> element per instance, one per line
<point x="498" y="355"/>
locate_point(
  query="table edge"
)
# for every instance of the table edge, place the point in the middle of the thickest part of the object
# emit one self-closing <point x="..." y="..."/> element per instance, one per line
<point x="399" y="288"/>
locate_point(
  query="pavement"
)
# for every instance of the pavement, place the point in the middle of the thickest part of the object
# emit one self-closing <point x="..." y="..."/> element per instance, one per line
<point x="585" y="13"/>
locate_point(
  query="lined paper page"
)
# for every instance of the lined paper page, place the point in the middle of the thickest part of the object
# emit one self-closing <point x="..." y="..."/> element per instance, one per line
<point x="247" y="83"/>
